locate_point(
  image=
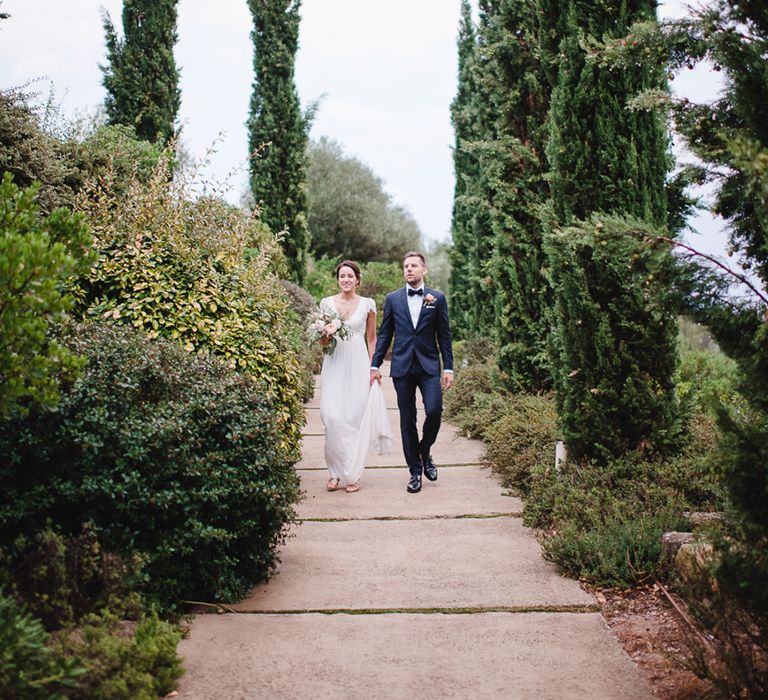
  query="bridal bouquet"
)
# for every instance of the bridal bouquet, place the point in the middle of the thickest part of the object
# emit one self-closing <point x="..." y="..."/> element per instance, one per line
<point x="327" y="324"/>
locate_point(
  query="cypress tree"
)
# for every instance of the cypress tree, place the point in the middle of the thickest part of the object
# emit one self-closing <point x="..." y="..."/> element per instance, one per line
<point x="730" y="136"/>
<point x="466" y="169"/>
<point x="141" y="78"/>
<point x="277" y="128"/>
<point x="615" y="347"/>
<point x="513" y="166"/>
<point x="603" y="156"/>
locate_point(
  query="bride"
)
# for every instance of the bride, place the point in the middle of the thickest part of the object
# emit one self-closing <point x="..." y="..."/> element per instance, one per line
<point x="352" y="410"/>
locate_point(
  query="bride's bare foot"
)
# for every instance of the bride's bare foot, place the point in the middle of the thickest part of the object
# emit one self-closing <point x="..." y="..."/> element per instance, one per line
<point x="352" y="488"/>
<point x="332" y="484"/>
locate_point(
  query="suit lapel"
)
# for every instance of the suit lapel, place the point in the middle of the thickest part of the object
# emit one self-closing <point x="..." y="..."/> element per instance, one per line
<point x="404" y="307"/>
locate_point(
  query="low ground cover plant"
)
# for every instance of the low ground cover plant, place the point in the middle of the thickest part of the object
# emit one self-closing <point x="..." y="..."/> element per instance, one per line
<point x="599" y="522"/>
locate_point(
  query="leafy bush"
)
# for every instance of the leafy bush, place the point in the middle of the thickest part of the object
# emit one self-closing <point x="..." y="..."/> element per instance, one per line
<point x="171" y="455"/>
<point x="123" y="661"/>
<point x="29" y="668"/>
<point x="112" y="154"/>
<point x="521" y="438"/>
<point x="734" y="654"/>
<point x="199" y="273"/>
<point x="710" y="376"/>
<point x="29" y="153"/>
<point x="37" y="255"/>
<point x="62" y="579"/>
<point x="310" y="355"/>
<point x="604" y="523"/>
<point x="476" y="401"/>
<point x="621" y="550"/>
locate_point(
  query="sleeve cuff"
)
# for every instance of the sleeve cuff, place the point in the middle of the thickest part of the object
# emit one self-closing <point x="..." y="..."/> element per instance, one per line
<point x="447" y="371"/>
<point x="374" y="369"/>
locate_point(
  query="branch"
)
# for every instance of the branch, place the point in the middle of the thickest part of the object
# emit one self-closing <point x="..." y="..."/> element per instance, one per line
<point x="742" y="278"/>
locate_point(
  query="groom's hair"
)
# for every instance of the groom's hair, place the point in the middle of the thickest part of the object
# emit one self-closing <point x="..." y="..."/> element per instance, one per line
<point x="415" y="254"/>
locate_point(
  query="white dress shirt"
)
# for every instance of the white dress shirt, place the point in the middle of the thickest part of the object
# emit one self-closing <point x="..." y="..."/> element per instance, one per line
<point x="415" y="302"/>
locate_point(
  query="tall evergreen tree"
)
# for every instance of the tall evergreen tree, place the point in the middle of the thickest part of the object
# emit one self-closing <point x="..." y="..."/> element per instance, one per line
<point x="277" y="128"/>
<point x="614" y="351"/>
<point x="472" y="114"/>
<point x="466" y="169"/>
<point x="513" y="167"/>
<point x="141" y="77"/>
<point x="605" y="157"/>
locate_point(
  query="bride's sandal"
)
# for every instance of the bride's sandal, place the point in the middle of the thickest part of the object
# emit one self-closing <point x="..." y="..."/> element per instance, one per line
<point x="352" y="488"/>
<point x="332" y="485"/>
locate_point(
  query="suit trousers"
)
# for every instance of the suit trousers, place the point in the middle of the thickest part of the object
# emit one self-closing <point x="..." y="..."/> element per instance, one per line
<point x="416" y="451"/>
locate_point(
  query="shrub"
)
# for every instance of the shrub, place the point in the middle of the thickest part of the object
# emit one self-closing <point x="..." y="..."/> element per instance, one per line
<point x="29" y="669"/>
<point x="37" y="255"/>
<point x="171" y="455"/>
<point x="710" y="377"/>
<point x="123" y="661"/>
<point x="199" y="273"/>
<point x="604" y="523"/>
<point x="62" y="579"/>
<point x="111" y="154"/>
<point x="622" y="550"/>
<point x="310" y="355"/>
<point x="469" y="383"/>
<point x="29" y="153"/>
<point x="521" y="438"/>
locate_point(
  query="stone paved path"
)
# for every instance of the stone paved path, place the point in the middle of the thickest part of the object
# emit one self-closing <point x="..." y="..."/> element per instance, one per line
<point x="385" y="594"/>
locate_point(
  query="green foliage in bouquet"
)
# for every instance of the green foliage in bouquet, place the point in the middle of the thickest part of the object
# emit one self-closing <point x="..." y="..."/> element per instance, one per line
<point x="37" y="255"/>
<point x="200" y="273"/>
<point x="172" y="456"/>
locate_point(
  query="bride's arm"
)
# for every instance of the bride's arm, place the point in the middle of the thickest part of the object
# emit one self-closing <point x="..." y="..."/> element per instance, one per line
<point x="370" y="333"/>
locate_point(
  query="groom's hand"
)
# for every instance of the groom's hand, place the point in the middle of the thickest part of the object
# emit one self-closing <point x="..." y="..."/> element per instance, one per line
<point x="375" y="376"/>
<point x="447" y="380"/>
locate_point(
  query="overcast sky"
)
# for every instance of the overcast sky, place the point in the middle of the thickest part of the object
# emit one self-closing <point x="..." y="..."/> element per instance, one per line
<point x="386" y="72"/>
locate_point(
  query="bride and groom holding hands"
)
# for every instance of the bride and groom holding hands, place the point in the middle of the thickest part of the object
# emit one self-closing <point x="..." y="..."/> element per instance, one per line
<point x="352" y="405"/>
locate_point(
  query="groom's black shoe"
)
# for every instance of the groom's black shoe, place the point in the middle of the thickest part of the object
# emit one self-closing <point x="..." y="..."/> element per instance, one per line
<point x="430" y="470"/>
<point x="414" y="485"/>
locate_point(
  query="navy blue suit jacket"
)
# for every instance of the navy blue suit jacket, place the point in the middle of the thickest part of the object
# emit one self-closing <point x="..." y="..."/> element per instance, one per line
<point x="432" y="331"/>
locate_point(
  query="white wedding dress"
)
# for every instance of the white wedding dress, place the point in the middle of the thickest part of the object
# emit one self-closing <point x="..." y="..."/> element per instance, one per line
<point x="353" y="412"/>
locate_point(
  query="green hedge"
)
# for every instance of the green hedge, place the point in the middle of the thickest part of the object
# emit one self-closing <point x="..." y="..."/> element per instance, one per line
<point x="199" y="272"/>
<point x="170" y="455"/>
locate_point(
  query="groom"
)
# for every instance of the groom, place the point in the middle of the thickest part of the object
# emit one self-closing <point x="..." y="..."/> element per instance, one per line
<point x="418" y="318"/>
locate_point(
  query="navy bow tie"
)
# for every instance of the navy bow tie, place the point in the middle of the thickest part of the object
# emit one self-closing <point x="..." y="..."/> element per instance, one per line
<point x="413" y="292"/>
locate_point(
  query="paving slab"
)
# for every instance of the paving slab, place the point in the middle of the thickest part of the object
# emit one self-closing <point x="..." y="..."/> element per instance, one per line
<point x="521" y="656"/>
<point x="450" y="448"/>
<point x="458" y="491"/>
<point x="410" y="564"/>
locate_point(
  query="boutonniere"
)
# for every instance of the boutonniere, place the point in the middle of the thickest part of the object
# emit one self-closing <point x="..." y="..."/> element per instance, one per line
<point x="429" y="301"/>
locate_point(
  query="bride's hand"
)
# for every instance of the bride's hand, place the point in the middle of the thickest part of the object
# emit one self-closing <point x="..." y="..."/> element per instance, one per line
<point x="325" y="341"/>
